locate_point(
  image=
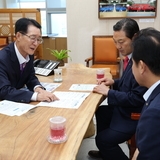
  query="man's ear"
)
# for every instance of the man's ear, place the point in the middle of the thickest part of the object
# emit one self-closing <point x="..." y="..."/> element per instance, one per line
<point x="134" y="36"/>
<point x="18" y="35"/>
<point x="142" y="66"/>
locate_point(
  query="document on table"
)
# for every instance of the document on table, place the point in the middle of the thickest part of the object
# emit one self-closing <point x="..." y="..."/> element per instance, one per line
<point x="50" y="86"/>
<point x="66" y="100"/>
<point x="14" y="109"/>
<point x="82" y="87"/>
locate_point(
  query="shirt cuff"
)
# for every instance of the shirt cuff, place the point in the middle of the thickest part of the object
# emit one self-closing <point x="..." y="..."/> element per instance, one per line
<point x="39" y="86"/>
<point x="34" y="96"/>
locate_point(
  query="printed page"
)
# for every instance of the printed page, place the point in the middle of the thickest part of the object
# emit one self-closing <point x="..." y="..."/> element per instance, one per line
<point x="82" y="87"/>
<point x="13" y="108"/>
<point x="50" y="86"/>
<point x="66" y="100"/>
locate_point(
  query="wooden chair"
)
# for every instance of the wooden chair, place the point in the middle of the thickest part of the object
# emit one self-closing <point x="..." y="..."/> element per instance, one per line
<point x="2" y="46"/>
<point x="104" y="55"/>
<point x="132" y="142"/>
<point x="3" y="42"/>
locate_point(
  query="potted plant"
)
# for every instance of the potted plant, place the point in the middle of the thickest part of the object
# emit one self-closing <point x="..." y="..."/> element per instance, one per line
<point x="60" y="55"/>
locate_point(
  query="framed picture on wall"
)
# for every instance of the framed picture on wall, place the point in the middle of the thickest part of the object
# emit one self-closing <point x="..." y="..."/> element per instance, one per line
<point x="127" y="8"/>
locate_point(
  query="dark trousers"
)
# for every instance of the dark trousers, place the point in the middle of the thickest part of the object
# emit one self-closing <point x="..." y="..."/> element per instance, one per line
<point x="107" y="139"/>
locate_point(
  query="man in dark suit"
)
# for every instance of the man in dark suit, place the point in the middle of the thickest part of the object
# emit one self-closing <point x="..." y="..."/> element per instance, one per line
<point x="146" y="69"/>
<point x="16" y="65"/>
<point x="114" y="123"/>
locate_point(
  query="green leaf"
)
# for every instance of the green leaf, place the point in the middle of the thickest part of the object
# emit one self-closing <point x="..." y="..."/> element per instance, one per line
<point x="60" y="55"/>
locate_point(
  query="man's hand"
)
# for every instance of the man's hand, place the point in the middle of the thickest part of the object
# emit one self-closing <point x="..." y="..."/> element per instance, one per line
<point x="44" y="95"/>
<point x="102" y="89"/>
<point x="106" y="81"/>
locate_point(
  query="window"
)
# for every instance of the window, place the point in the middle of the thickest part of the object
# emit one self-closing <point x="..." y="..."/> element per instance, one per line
<point x="53" y="15"/>
<point x="57" y="26"/>
<point x="28" y="4"/>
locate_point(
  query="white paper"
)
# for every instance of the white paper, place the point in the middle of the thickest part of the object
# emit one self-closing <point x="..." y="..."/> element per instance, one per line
<point x="82" y="87"/>
<point x="66" y="100"/>
<point x="14" y="109"/>
<point x="50" y="86"/>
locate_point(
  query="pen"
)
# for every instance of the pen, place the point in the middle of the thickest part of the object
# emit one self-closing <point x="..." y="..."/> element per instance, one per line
<point x="15" y="109"/>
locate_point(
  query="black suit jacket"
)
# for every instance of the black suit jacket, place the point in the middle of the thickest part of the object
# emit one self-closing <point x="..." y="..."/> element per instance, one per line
<point x="148" y="128"/>
<point x="126" y="97"/>
<point x="11" y="79"/>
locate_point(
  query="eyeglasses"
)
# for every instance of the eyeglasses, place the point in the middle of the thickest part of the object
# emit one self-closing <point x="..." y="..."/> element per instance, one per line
<point x="33" y="38"/>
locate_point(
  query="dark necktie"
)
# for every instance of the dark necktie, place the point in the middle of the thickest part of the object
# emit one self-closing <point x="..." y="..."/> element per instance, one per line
<point x="125" y="62"/>
<point x="22" y="66"/>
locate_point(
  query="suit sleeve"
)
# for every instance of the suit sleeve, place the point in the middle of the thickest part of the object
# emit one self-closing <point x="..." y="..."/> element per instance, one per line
<point x="32" y="80"/>
<point x="8" y="90"/>
<point x="148" y="132"/>
<point x="11" y="82"/>
<point x="126" y="93"/>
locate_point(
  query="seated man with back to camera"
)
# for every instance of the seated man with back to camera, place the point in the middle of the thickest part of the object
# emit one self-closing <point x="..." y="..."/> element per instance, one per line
<point x="146" y="69"/>
<point x="16" y="65"/>
<point x="114" y="123"/>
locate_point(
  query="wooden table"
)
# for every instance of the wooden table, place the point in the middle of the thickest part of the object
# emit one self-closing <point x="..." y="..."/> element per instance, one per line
<point x="25" y="137"/>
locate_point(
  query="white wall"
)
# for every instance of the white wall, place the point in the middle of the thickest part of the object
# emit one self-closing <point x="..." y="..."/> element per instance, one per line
<point x="83" y="22"/>
<point x="2" y="3"/>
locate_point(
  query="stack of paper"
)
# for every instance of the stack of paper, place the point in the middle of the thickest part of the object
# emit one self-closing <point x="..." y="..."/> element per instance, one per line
<point x="14" y="109"/>
<point x="66" y="100"/>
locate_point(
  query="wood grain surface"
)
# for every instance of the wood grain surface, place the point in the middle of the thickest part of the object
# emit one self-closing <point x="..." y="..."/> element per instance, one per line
<point x="25" y="137"/>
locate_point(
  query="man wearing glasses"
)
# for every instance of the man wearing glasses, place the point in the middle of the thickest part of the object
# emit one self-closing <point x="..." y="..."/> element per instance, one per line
<point x="16" y="65"/>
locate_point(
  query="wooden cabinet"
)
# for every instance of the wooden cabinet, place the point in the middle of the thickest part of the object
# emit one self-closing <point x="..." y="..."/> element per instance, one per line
<point x="56" y="43"/>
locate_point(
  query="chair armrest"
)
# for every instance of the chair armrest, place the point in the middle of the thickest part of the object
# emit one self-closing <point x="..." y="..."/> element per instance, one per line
<point x="118" y="59"/>
<point x="87" y="61"/>
<point x="3" y="45"/>
<point x="135" y="116"/>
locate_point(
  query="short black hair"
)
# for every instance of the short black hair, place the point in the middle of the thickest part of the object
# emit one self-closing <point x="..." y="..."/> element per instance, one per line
<point x="128" y="25"/>
<point x="22" y="24"/>
<point x="146" y="47"/>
